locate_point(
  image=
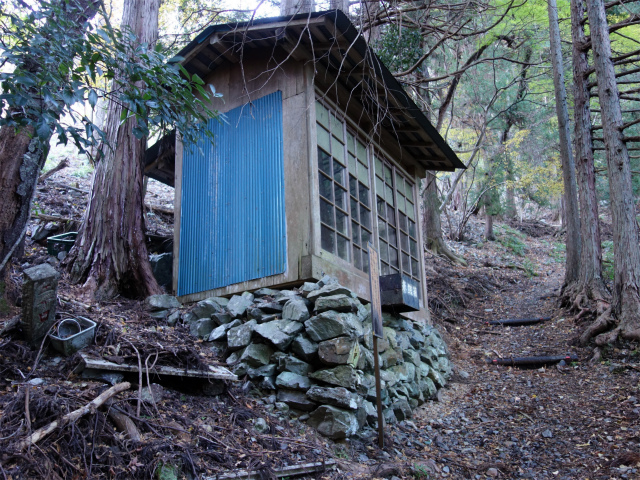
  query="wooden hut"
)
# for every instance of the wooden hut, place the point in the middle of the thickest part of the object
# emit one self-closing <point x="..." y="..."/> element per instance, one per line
<point x="319" y="151"/>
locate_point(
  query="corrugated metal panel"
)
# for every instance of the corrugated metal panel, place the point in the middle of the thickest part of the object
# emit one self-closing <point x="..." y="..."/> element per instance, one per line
<point x="233" y="226"/>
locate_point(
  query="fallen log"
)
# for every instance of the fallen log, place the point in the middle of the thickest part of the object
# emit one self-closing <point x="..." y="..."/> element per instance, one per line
<point x="519" y="322"/>
<point x="531" y="362"/>
<point x="290" y="471"/>
<point x="64" y="163"/>
<point x="39" y="434"/>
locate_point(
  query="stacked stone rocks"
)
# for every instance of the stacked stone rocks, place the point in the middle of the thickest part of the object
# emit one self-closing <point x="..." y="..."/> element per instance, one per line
<point x="313" y="346"/>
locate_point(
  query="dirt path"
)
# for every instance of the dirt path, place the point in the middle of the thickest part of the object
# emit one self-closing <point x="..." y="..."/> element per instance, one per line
<point x="574" y="422"/>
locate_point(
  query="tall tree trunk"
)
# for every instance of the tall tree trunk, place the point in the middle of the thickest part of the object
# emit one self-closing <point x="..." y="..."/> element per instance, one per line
<point x="110" y="255"/>
<point x="510" y="209"/>
<point x="626" y="295"/>
<point x="291" y="7"/>
<point x="568" y="168"/>
<point x="23" y="155"/>
<point x="488" y="228"/>
<point x="590" y="285"/>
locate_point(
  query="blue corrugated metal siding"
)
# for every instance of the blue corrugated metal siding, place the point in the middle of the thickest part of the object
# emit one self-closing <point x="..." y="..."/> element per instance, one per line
<point x="233" y="225"/>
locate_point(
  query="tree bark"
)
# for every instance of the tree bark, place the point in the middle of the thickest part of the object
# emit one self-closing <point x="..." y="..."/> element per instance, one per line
<point x="23" y="155"/>
<point x="110" y="254"/>
<point x="291" y="7"/>
<point x="626" y="295"/>
<point x="572" y="217"/>
<point x="488" y="228"/>
<point x="590" y="285"/>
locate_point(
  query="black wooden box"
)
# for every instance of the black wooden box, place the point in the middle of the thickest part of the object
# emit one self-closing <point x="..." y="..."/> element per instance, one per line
<point x="399" y="293"/>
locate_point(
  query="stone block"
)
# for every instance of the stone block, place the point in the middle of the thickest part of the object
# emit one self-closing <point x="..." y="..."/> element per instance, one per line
<point x="333" y="422"/>
<point x="238" y="304"/>
<point x="207" y="307"/>
<point x="289" y="363"/>
<point x="339" y="351"/>
<point x="39" y="299"/>
<point x="305" y="348"/>
<point x="257" y="354"/>
<point x="342" y="376"/>
<point x="328" y="290"/>
<point x="295" y="310"/>
<point x="293" y="381"/>
<point x="296" y="399"/>
<point x="154" y="303"/>
<point x="328" y="325"/>
<point x="240" y="336"/>
<point x="336" y="303"/>
<point x="280" y="333"/>
<point x="336" y="396"/>
<point x="402" y="409"/>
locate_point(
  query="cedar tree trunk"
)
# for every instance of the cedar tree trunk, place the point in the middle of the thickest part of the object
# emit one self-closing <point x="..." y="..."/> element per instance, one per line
<point x="590" y="285"/>
<point x="572" y="217"/>
<point x="22" y="157"/>
<point x="625" y="306"/>
<point x="110" y="255"/>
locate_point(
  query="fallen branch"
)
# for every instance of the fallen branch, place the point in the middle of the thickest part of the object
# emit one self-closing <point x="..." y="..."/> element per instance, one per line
<point x="124" y="423"/>
<point x="63" y="164"/>
<point x="10" y="324"/>
<point x="289" y="471"/>
<point x="519" y="322"/>
<point x="158" y="208"/>
<point x="533" y="361"/>
<point x="51" y="218"/>
<point x="39" y="434"/>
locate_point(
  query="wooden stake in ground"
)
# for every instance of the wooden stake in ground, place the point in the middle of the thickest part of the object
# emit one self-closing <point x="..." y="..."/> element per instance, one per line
<point x="39" y="434"/>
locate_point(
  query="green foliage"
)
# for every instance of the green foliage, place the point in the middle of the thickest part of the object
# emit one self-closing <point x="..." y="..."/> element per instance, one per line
<point x="559" y="252"/>
<point x="529" y="268"/>
<point x="607" y="260"/>
<point x="420" y="472"/>
<point x="58" y="70"/>
<point x="511" y="239"/>
<point x="399" y="48"/>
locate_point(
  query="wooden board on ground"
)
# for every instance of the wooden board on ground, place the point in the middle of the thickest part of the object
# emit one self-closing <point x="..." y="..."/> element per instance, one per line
<point x="290" y="471"/>
<point x="214" y="373"/>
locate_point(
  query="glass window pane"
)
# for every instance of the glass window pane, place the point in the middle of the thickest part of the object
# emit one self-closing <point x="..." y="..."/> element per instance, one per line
<point x="391" y="215"/>
<point x="339" y="174"/>
<point x="324" y="161"/>
<point x="365" y="216"/>
<point x="393" y="257"/>
<point x="382" y="230"/>
<point x="382" y="208"/>
<point x="384" y="252"/>
<point x="353" y="186"/>
<point x="385" y="269"/>
<point x="393" y="270"/>
<point x="357" y="258"/>
<point x="326" y="213"/>
<point x="379" y="186"/>
<point x="337" y="127"/>
<point x="337" y="149"/>
<point x="327" y="237"/>
<point x="379" y="167"/>
<point x="391" y="236"/>
<point x="352" y="164"/>
<point x="343" y="247"/>
<point x="355" y="233"/>
<point x="351" y="143"/>
<point x="403" y="222"/>
<point x="415" y="268"/>
<point x="326" y="187"/>
<point x="412" y="229"/>
<point x="388" y="176"/>
<point x="322" y="115"/>
<point x="354" y="209"/>
<point x="389" y="195"/>
<point x="361" y="151"/>
<point x="406" y="263"/>
<point x="340" y="196"/>
<point x="410" y="210"/>
<point x="342" y="222"/>
<point x="365" y="235"/>
<point x="365" y="261"/>
<point x="324" y="139"/>
<point x="363" y="174"/>
<point x="414" y="247"/>
<point x="401" y="203"/>
<point x="364" y="194"/>
<point x="404" y="241"/>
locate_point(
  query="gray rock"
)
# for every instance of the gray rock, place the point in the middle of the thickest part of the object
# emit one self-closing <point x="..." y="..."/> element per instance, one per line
<point x="295" y="310"/>
<point x="238" y="304"/>
<point x="435" y="340"/>
<point x="282" y="407"/>
<point x="403" y="340"/>
<point x="293" y="381"/>
<point x="221" y="318"/>
<point x="161" y="302"/>
<point x="391" y="357"/>
<point x="218" y="348"/>
<point x="220" y="332"/>
<point x="339" y="351"/>
<point x="289" y="363"/>
<point x="266" y="292"/>
<point x="255" y="314"/>
<point x="270" y="307"/>
<point x="162" y="268"/>
<point x="240" y="369"/>
<point x="304" y="347"/>
<point x="202" y="328"/>
<point x="402" y="409"/>
<point x="328" y="325"/>
<point x="427" y="387"/>
<point x="159" y="314"/>
<point x="336" y="396"/>
<point x="406" y="372"/>
<point x="205" y="308"/>
<point x="172" y="319"/>
<point x="188" y="318"/>
<point x="389" y="377"/>
<point x="234" y="357"/>
<point x="268" y="383"/>
<point x="286" y="295"/>
<point x="257" y="354"/>
<point x="328" y="291"/>
<point x="42" y="232"/>
<point x="327" y="280"/>
<point x="307" y="288"/>
<point x="412" y="389"/>
<point x="417" y="339"/>
<point x="371" y="414"/>
<point x="260" y="425"/>
<point x="389" y="417"/>
<point x="342" y="376"/>
<point x="333" y="422"/>
<point x="337" y="303"/>
<point x="296" y="399"/>
<point x="240" y="336"/>
<point x="437" y="379"/>
<point x="411" y="356"/>
<point x="396" y="322"/>
<point x="264" y="371"/>
<point x="279" y="332"/>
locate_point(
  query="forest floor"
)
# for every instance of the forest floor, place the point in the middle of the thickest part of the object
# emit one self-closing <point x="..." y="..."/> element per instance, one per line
<point x="575" y="421"/>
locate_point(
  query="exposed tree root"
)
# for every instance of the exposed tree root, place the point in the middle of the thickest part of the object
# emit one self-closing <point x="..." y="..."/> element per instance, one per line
<point x="438" y="247"/>
<point x="603" y="323"/>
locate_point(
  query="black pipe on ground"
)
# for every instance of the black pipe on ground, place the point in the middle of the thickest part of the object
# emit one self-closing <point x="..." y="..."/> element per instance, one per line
<point x="533" y="362"/>
<point x="519" y="322"/>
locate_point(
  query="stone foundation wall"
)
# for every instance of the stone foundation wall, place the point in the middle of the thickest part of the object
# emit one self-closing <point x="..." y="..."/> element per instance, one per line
<point x="313" y="346"/>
